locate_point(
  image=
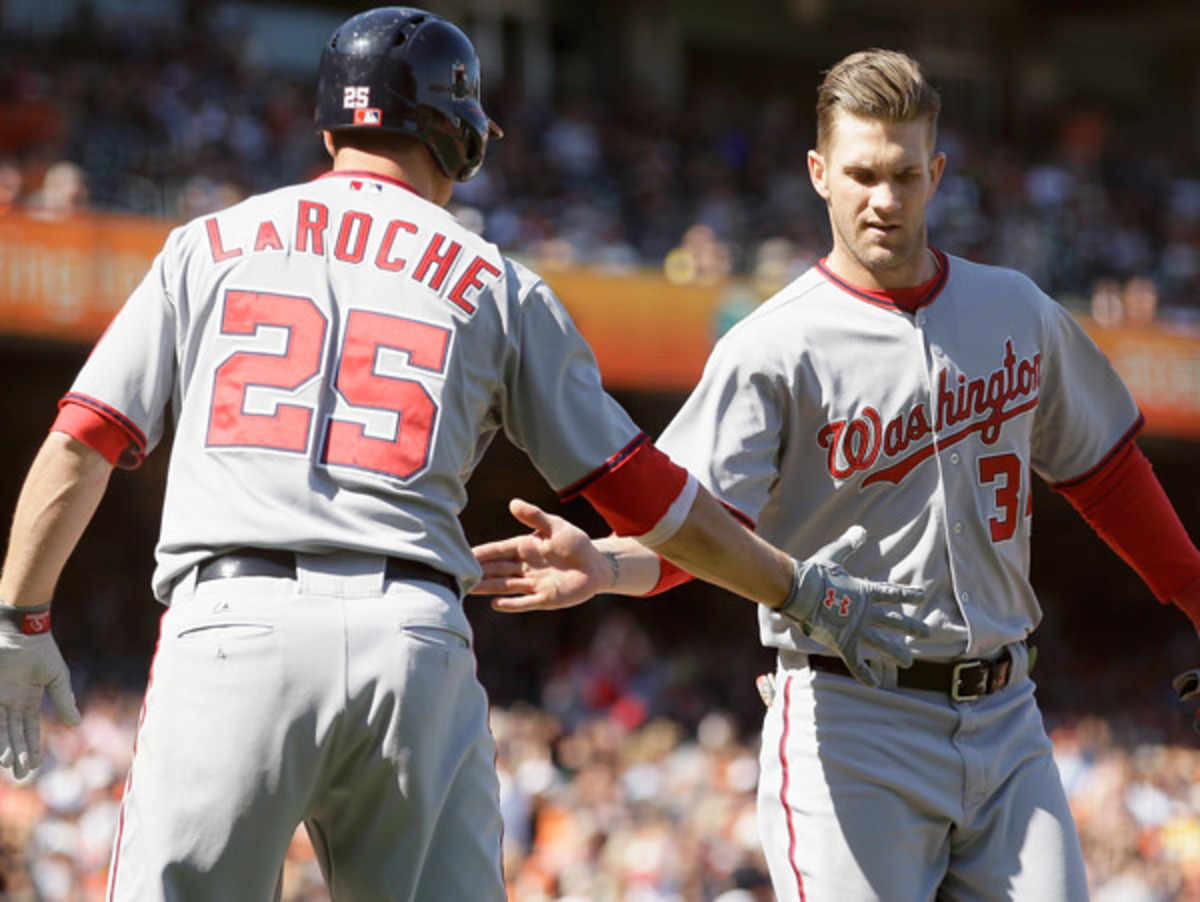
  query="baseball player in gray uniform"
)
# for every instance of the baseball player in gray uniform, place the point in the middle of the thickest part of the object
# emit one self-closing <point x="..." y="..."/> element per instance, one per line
<point x="916" y="393"/>
<point x="336" y="356"/>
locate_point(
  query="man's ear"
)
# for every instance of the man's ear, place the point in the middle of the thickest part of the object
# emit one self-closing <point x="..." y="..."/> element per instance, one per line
<point x="937" y="166"/>
<point x="818" y="174"/>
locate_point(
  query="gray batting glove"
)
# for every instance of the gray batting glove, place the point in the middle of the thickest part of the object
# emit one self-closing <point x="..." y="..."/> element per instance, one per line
<point x="853" y="616"/>
<point x="30" y="663"/>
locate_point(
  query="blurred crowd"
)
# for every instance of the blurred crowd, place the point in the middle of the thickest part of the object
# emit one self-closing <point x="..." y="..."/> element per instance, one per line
<point x="612" y="790"/>
<point x="713" y="187"/>
<point x="620" y="778"/>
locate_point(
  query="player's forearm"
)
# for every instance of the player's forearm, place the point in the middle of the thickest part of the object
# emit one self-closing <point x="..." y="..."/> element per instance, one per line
<point x="59" y="497"/>
<point x="715" y="547"/>
<point x="633" y="566"/>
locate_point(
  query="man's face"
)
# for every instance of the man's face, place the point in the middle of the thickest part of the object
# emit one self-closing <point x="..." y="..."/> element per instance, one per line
<point x="877" y="178"/>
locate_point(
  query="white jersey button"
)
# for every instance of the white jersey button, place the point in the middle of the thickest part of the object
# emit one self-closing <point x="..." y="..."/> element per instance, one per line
<point x="954" y="458"/>
<point x="958" y="528"/>
<point x="966" y="597"/>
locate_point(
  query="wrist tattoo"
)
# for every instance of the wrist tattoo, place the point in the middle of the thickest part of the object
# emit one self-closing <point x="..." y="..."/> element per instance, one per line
<point x="614" y="565"/>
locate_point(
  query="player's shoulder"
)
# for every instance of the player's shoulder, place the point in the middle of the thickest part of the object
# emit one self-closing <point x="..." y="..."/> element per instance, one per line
<point x="795" y="301"/>
<point x="524" y="279"/>
<point x="777" y="332"/>
<point x="985" y="279"/>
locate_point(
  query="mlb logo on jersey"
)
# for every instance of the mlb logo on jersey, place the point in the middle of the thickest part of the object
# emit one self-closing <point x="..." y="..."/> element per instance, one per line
<point x="368" y="116"/>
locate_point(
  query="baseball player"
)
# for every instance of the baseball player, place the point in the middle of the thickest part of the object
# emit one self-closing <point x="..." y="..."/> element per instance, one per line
<point x="336" y="356"/>
<point x="916" y="393"/>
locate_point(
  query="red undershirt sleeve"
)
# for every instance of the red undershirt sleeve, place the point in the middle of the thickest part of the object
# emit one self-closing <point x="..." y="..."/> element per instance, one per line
<point x="669" y="576"/>
<point x="634" y="490"/>
<point x="1125" y="504"/>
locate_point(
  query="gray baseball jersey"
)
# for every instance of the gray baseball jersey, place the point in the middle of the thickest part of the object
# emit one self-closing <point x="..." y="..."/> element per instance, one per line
<point x="313" y="424"/>
<point x="829" y="406"/>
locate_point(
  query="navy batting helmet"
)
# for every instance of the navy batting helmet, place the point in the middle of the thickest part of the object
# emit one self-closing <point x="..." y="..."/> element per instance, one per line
<point x="404" y="70"/>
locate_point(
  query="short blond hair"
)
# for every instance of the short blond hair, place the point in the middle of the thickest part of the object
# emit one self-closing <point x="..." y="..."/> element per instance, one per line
<point x="875" y="84"/>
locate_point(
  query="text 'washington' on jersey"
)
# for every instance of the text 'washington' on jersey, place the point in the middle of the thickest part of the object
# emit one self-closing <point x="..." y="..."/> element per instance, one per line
<point x="854" y="444"/>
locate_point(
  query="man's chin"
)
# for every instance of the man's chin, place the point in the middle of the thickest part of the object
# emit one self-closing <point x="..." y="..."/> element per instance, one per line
<point x="880" y="259"/>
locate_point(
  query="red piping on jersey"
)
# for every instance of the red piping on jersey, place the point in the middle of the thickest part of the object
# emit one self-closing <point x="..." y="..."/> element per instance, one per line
<point x="116" y="860"/>
<point x="121" y="432"/>
<point x="785" y="782"/>
<point x="897" y="299"/>
<point x="373" y="176"/>
<point x="1113" y="452"/>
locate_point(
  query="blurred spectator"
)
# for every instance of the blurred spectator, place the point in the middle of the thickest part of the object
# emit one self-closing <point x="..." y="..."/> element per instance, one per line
<point x="10" y="186"/>
<point x="701" y="258"/>
<point x="63" y="193"/>
<point x="620" y="779"/>
<point x="1139" y="299"/>
<point x="1107" y="307"/>
<point x="165" y="124"/>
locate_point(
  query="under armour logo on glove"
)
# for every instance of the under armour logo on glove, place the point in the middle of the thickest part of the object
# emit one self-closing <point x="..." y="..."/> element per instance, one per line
<point x="843" y="606"/>
<point x="864" y="621"/>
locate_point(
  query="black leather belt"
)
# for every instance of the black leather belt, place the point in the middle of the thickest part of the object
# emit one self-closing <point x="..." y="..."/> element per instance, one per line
<point x="963" y="681"/>
<point x="278" y="563"/>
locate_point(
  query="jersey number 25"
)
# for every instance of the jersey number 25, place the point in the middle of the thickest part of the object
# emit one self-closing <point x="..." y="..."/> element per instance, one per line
<point x="290" y="427"/>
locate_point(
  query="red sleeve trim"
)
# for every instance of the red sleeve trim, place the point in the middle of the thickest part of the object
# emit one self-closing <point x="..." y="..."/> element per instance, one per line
<point x="1125" y="504"/>
<point x="101" y="428"/>
<point x="633" y="489"/>
<point x="575" y="489"/>
<point x="671" y="575"/>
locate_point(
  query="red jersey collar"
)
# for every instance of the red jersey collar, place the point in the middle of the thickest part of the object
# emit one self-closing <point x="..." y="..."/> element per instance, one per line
<point x="372" y="176"/>
<point x="908" y="300"/>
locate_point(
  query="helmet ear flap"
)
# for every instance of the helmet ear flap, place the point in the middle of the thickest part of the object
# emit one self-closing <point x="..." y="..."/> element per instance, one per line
<point x="407" y="71"/>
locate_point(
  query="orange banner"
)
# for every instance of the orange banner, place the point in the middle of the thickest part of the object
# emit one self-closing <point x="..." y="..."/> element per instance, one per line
<point x="1162" y="369"/>
<point x="66" y="278"/>
<point x="646" y="333"/>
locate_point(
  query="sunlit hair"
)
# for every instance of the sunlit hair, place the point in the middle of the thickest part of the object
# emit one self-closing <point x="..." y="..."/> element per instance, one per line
<point x="876" y="84"/>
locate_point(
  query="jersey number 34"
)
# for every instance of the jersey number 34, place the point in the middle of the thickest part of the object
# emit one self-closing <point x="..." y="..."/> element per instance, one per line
<point x="290" y="427"/>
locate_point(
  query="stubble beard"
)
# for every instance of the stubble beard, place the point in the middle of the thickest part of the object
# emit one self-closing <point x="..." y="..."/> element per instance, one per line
<point x="877" y="257"/>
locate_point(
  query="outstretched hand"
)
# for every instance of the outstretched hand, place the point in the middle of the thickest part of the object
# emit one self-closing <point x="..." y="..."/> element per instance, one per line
<point x="555" y="566"/>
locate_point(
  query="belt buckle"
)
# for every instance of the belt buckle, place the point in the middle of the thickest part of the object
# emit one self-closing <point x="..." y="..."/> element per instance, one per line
<point x="980" y="681"/>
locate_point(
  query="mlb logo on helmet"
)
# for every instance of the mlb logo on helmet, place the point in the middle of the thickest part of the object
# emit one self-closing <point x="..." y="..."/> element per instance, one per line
<point x="368" y="116"/>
